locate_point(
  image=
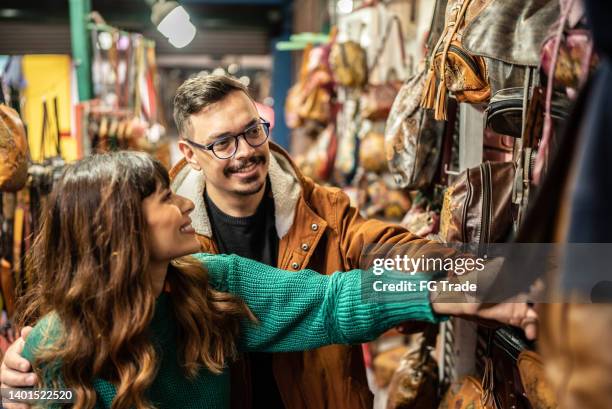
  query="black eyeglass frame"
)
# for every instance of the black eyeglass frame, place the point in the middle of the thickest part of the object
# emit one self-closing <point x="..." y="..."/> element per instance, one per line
<point x="210" y="146"/>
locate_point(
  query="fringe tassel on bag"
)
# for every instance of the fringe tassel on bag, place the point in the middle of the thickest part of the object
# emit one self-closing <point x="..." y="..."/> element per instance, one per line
<point x="429" y="92"/>
<point x="440" y="113"/>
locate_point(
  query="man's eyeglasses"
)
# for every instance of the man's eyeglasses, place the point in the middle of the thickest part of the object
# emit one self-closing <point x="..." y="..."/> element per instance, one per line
<point x="226" y="147"/>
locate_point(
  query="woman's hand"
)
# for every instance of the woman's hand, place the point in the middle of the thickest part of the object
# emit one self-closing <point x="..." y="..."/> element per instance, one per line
<point x="16" y="371"/>
<point x="514" y="312"/>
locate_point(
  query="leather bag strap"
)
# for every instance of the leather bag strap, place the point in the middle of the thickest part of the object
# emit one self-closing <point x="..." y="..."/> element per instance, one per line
<point x="394" y="19"/>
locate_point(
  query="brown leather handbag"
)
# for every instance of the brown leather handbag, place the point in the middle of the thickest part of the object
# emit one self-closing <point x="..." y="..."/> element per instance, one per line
<point x="452" y="68"/>
<point x="533" y="377"/>
<point x="413" y="138"/>
<point x="470" y="393"/>
<point x="415" y="383"/>
<point x="13" y="151"/>
<point x="477" y="207"/>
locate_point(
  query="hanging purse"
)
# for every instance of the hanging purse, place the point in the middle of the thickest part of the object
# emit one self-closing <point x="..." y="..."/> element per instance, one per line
<point x="377" y="99"/>
<point x="13" y="151"/>
<point x="452" y="68"/>
<point x="567" y="73"/>
<point x="477" y="207"/>
<point x="348" y="63"/>
<point x="470" y="393"/>
<point x="412" y="137"/>
<point x="310" y="97"/>
<point x="533" y="379"/>
<point x="414" y="384"/>
<point x="508" y="34"/>
<point x="504" y="114"/>
<point x="575" y="58"/>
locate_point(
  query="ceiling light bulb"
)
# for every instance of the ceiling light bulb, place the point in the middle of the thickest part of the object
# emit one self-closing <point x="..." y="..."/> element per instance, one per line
<point x="173" y="22"/>
<point x="345" y="6"/>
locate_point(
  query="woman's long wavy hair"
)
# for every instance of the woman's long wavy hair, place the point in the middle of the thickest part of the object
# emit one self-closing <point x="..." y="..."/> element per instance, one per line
<point x="88" y="267"/>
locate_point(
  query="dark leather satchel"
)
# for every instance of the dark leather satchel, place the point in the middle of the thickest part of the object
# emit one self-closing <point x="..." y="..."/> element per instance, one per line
<point x="478" y="205"/>
<point x="508" y="35"/>
<point x="504" y="115"/>
<point x="511" y="30"/>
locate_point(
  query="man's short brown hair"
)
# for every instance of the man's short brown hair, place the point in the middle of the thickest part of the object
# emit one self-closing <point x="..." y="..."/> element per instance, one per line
<point x="199" y="92"/>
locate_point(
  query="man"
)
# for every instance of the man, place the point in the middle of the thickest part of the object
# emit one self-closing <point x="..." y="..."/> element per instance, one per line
<point x="254" y="202"/>
<point x="251" y="200"/>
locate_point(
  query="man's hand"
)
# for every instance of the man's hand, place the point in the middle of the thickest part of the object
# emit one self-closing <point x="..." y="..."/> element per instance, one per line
<point x="514" y="312"/>
<point x="16" y="371"/>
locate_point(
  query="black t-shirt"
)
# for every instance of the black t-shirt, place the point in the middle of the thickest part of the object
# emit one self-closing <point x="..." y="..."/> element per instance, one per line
<point x="252" y="237"/>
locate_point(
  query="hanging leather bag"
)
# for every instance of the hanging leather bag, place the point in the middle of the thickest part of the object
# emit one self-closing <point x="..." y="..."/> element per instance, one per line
<point x="348" y="62"/>
<point x="310" y="97"/>
<point x="471" y="393"/>
<point x="13" y="151"/>
<point x="508" y="34"/>
<point x="452" y="67"/>
<point x="477" y="207"/>
<point x="572" y="71"/>
<point x="413" y="138"/>
<point x="504" y="114"/>
<point x="414" y="384"/>
<point x="575" y="57"/>
<point x="534" y="381"/>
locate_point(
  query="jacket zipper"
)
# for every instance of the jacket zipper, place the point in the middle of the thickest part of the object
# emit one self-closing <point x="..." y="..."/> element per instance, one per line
<point x="468" y="199"/>
<point x="485" y="169"/>
<point x="464" y="56"/>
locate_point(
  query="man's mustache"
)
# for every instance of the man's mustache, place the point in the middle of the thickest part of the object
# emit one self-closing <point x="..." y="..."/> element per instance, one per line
<point x="259" y="159"/>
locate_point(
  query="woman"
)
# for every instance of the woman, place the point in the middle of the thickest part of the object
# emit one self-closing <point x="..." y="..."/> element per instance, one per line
<point x="134" y="322"/>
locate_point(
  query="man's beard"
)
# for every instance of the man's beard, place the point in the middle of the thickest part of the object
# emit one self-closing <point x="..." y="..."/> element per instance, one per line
<point x="257" y="160"/>
<point x="251" y="191"/>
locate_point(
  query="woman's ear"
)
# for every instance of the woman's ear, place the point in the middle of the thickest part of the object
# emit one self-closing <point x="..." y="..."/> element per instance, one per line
<point x="189" y="155"/>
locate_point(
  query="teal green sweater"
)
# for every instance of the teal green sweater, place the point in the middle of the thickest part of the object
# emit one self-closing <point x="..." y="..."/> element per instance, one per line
<point x="297" y="311"/>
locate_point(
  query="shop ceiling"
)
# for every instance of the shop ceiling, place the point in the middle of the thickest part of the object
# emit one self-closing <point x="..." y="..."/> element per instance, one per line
<point x="225" y="27"/>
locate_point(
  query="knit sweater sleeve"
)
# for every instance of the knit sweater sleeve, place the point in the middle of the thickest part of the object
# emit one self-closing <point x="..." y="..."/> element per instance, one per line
<point x="305" y="310"/>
